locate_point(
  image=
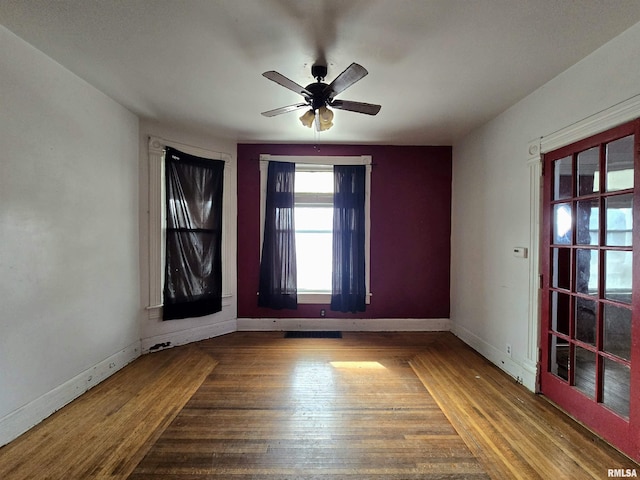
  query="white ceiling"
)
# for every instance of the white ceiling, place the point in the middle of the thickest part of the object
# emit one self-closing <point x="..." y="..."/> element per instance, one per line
<point x="439" y="68"/>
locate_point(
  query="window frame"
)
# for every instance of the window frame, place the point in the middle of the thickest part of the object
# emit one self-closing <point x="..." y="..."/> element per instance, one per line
<point x="312" y="200"/>
<point x="157" y="223"/>
<point x="322" y="298"/>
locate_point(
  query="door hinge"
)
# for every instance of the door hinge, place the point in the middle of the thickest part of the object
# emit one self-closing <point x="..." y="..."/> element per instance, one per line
<point x="541" y="280"/>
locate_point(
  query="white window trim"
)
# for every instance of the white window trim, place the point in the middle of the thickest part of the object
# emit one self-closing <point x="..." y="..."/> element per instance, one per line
<point x="322" y="298"/>
<point x="157" y="224"/>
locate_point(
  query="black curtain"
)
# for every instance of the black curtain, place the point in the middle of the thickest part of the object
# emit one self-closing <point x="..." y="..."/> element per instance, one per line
<point x="278" y="276"/>
<point x="348" y="282"/>
<point x="193" y="267"/>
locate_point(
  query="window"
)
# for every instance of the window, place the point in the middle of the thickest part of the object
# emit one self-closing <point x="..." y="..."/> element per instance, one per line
<point x="313" y="214"/>
<point x="157" y="219"/>
<point x="193" y="267"/>
<point x="314" y="220"/>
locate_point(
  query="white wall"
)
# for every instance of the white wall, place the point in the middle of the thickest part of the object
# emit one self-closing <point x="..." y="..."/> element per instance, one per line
<point x="69" y="276"/>
<point x="491" y="200"/>
<point x="154" y="331"/>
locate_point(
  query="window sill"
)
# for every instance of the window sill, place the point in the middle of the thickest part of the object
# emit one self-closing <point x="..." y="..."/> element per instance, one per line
<point x="314" y="297"/>
<point x="319" y="298"/>
<point x="226" y="301"/>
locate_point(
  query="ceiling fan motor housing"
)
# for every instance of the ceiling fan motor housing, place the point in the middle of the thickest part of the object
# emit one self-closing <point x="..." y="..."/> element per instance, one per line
<point x="319" y="72"/>
<point x="319" y="94"/>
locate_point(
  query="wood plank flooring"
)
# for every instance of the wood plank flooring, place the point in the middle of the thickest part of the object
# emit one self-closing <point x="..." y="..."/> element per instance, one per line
<point x="308" y="408"/>
<point x="108" y="430"/>
<point x="514" y="433"/>
<point x="256" y="405"/>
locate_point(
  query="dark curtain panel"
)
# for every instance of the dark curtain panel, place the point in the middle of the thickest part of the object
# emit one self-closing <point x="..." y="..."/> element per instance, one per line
<point x="348" y="283"/>
<point x="278" y="282"/>
<point x="193" y="267"/>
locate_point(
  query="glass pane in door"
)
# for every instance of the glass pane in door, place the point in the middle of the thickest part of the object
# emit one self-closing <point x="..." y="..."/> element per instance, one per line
<point x="587" y="215"/>
<point x="620" y="164"/>
<point x="618" y="278"/>
<point x="560" y="310"/>
<point x="617" y="381"/>
<point x="588" y="171"/>
<point x="559" y="357"/>
<point x="561" y="275"/>
<point x="562" y="178"/>
<point x="587" y="265"/>
<point x="585" y="371"/>
<point x="619" y="216"/>
<point x="562" y="224"/>
<point x="617" y="331"/>
<point x="586" y="320"/>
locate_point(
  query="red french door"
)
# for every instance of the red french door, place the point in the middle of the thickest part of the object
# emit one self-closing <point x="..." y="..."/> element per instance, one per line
<point x="590" y="265"/>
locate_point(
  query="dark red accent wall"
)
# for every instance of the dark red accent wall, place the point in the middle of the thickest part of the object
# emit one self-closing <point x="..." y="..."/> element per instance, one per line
<point x="410" y="230"/>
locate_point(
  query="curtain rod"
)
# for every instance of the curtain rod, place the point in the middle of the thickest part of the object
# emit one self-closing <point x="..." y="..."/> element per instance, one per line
<point x="173" y="142"/>
<point x="322" y="159"/>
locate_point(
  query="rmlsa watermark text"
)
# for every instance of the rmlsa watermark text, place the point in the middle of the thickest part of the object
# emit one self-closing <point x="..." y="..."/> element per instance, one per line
<point x="622" y="473"/>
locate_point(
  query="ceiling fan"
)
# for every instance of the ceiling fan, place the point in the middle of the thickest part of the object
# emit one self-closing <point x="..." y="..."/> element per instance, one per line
<point x="319" y="96"/>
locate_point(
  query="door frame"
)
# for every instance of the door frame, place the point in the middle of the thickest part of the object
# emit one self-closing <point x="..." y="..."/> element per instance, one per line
<point x="614" y="116"/>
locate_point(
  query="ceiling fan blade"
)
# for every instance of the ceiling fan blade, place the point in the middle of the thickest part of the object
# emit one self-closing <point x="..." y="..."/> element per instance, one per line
<point x="287" y="109"/>
<point x="351" y="75"/>
<point x="367" y="108"/>
<point x="286" y="82"/>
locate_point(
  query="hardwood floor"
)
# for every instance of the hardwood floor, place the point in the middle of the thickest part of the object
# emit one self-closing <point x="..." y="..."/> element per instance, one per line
<point x="307" y="408"/>
<point x="513" y="433"/>
<point x="256" y="405"/>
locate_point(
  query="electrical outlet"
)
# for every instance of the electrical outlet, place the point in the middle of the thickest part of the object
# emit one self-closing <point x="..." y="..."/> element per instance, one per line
<point x="508" y="349"/>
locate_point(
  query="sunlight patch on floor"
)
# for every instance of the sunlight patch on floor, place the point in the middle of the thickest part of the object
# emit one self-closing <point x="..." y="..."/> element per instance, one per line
<point x="359" y="365"/>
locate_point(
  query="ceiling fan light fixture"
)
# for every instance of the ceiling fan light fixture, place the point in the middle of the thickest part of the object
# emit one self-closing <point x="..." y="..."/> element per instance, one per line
<point x="325" y="117"/>
<point x="307" y="118"/>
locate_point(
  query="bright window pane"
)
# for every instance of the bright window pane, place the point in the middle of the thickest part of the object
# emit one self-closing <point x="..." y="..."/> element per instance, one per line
<point x="314" y="182"/>
<point x="313" y="219"/>
<point x="314" y="261"/>
<point x="562" y="224"/>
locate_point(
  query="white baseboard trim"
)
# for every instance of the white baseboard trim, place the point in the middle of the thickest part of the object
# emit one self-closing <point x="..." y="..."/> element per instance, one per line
<point x="521" y="370"/>
<point x="182" y="337"/>
<point x="19" y="421"/>
<point x="345" y="325"/>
